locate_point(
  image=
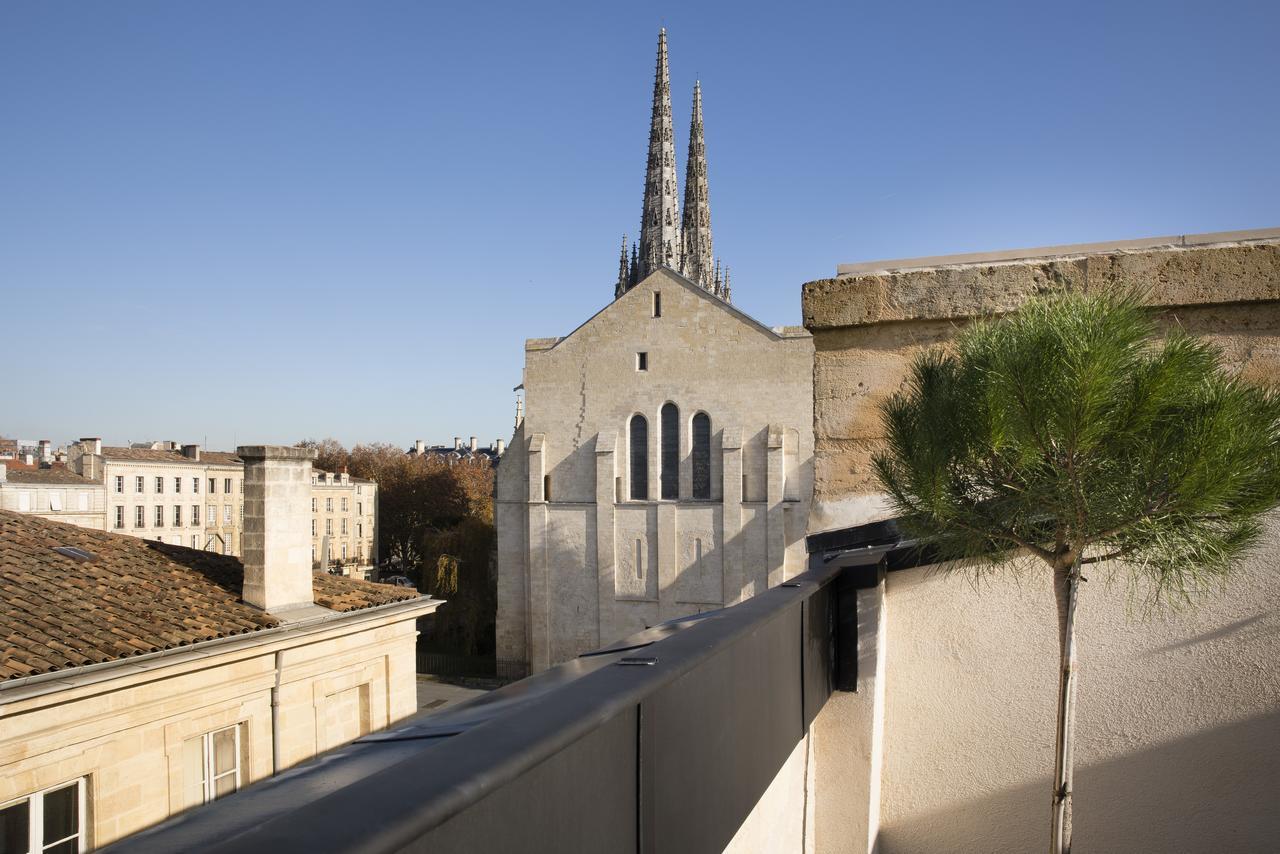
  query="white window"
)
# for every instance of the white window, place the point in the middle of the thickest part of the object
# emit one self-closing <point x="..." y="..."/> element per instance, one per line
<point x="213" y="514"/>
<point x="51" y="820"/>
<point x="226" y="485"/>
<point x="159" y="516"/>
<point x="82" y="501"/>
<point x="55" y="499"/>
<point x="226" y="545"/>
<point x="344" y="505"/>
<point x="195" y="516"/>
<point x="226" y="512"/>
<point x="313" y="527"/>
<point x="211" y="765"/>
<point x="359" y="508"/>
<point x="328" y="505"/>
<point x="119" y="516"/>
<point x="138" y="485"/>
<point x="359" y="529"/>
<point x="344" y="551"/>
<point x="139" y="517"/>
<point x="313" y="504"/>
<point x="120" y="483"/>
<point x="24" y="502"/>
<point x="195" y="541"/>
<point x="177" y="484"/>
<point x="159" y="485"/>
<point x="344" y="524"/>
<point x="328" y="527"/>
<point x="177" y="515"/>
<point x="195" y="485"/>
<point x="213" y="485"/>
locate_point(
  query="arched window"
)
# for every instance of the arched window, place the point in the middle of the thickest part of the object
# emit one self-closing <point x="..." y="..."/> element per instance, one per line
<point x="701" y="455"/>
<point x="670" y="452"/>
<point x="639" y="458"/>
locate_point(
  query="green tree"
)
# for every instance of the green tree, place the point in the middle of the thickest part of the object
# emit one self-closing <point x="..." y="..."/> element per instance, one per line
<point x="1070" y="433"/>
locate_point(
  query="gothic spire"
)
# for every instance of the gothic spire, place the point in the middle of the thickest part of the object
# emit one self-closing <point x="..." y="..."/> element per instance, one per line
<point x="696" y="227"/>
<point x="624" y="271"/>
<point x="660" y="221"/>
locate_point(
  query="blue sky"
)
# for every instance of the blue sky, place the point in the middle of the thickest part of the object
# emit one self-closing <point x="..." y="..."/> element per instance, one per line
<point x="259" y="221"/>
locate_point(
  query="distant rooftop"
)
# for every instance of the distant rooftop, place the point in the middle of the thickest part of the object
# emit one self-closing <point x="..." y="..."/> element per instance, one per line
<point x="1014" y="255"/>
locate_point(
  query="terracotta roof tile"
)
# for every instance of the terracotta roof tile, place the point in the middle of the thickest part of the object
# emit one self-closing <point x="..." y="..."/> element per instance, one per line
<point x="135" y="596"/>
<point x="150" y="455"/>
<point x="56" y="475"/>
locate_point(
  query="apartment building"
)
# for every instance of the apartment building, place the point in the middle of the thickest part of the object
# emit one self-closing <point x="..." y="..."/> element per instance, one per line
<point x="344" y="511"/>
<point x="168" y="492"/>
<point x="147" y="679"/>
<point x="52" y="492"/>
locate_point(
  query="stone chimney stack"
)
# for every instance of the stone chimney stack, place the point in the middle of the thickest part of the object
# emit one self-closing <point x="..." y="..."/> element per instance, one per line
<point x="419" y="446"/>
<point x="457" y="443"/>
<point x="46" y="451"/>
<point x="191" y="452"/>
<point x="500" y="446"/>
<point x="277" y="526"/>
<point x="473" y="444"/>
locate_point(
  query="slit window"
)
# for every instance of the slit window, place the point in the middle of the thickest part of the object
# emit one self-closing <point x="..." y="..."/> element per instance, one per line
<point x="642" y="361"/>
<point x="657" y="303"/>
<point x="546" y="487"/>
<point x="670" y="475"/>
<point x="701" y="456"/>
<point x="639" y="449"/>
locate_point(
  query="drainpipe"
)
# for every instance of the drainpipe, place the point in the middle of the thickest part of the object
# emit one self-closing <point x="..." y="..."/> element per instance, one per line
<point x="275" y="719"/>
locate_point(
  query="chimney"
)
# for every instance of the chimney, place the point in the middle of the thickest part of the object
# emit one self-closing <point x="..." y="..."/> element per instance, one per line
<point x="277" y="526"/>
<point x="46" y="450"/>
<point x="29" y="459"/>
<point x="473" y="444"/>
<point x="499" y="446"/>
<point x="419" y="446"/>
<point x="457" y="443"/>
<point x="191" y="452"/>
<point x="91" y="445"/>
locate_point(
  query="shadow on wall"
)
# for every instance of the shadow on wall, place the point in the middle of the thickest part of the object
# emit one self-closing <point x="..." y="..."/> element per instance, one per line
<point x="1197" y="794"/>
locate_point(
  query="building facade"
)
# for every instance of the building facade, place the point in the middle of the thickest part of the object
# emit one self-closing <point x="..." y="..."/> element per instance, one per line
<point x="663" y="468"/>
<point x="167" y="492"/>
<point x="54" y="493"/>
<point x="344" y="513"/>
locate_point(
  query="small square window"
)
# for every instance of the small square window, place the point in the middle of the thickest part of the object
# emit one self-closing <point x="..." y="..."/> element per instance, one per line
<point x="642" y="361"/>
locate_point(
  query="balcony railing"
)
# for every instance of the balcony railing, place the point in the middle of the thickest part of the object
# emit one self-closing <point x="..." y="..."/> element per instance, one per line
<point x="662" y="742"/>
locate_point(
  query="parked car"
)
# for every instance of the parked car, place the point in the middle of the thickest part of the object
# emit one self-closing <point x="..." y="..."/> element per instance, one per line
<point x="397" y="581"/>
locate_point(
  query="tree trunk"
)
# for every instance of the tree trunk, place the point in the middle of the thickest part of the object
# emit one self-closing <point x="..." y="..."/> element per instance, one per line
<point x="1066" y="588"/>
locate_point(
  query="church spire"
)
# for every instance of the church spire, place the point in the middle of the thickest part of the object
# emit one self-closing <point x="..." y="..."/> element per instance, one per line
<point x="660" y="221"/>
<point x="696" y="228"/>
<point x="624" y="271"/>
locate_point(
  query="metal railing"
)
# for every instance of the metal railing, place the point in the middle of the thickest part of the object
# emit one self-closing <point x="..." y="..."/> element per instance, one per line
<point x="662" y="742"/>
<point x="482" y="667"/>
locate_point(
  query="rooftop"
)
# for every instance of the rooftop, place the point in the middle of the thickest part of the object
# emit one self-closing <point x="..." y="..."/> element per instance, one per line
<point x="151" y="455"/>
<point x="55" y="475"/>
<point x="1066" y="250"/>
<point x="124" y="596"/>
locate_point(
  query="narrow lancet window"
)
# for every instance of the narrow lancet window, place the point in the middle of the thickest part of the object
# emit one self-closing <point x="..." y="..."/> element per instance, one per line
<point x="670" y="452"/>
<point x="639" y="444"/>
<point x="701" y="456"/>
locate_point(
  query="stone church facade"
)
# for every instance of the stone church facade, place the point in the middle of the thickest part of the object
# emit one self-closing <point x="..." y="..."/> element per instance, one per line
<point x="664" y="463"/>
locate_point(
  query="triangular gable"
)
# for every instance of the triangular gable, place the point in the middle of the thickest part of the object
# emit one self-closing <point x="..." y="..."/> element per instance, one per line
<point x="675" y="278"/>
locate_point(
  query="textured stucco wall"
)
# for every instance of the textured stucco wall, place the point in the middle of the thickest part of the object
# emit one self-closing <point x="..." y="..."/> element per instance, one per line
<point x="1179" y="713"/>
<point x="1178" y="716"/>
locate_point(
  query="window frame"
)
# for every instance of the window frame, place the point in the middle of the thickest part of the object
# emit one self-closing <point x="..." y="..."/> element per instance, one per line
<point x="669" y="452"/>
<point x="638" y="458"/>
<point x="35" y="816"/>
<point x="695" y="469"/>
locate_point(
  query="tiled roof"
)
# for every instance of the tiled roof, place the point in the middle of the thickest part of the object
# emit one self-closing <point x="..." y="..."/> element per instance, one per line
<point x="149" y="455"/>
<point x="55" y="475"/>
<point x="133" y="597"/>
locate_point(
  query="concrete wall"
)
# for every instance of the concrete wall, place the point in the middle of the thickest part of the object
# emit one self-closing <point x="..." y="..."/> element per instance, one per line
<point x="125" y="730"/>
<point x="569" y="576"/>
<point x="1179" y="713"/>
